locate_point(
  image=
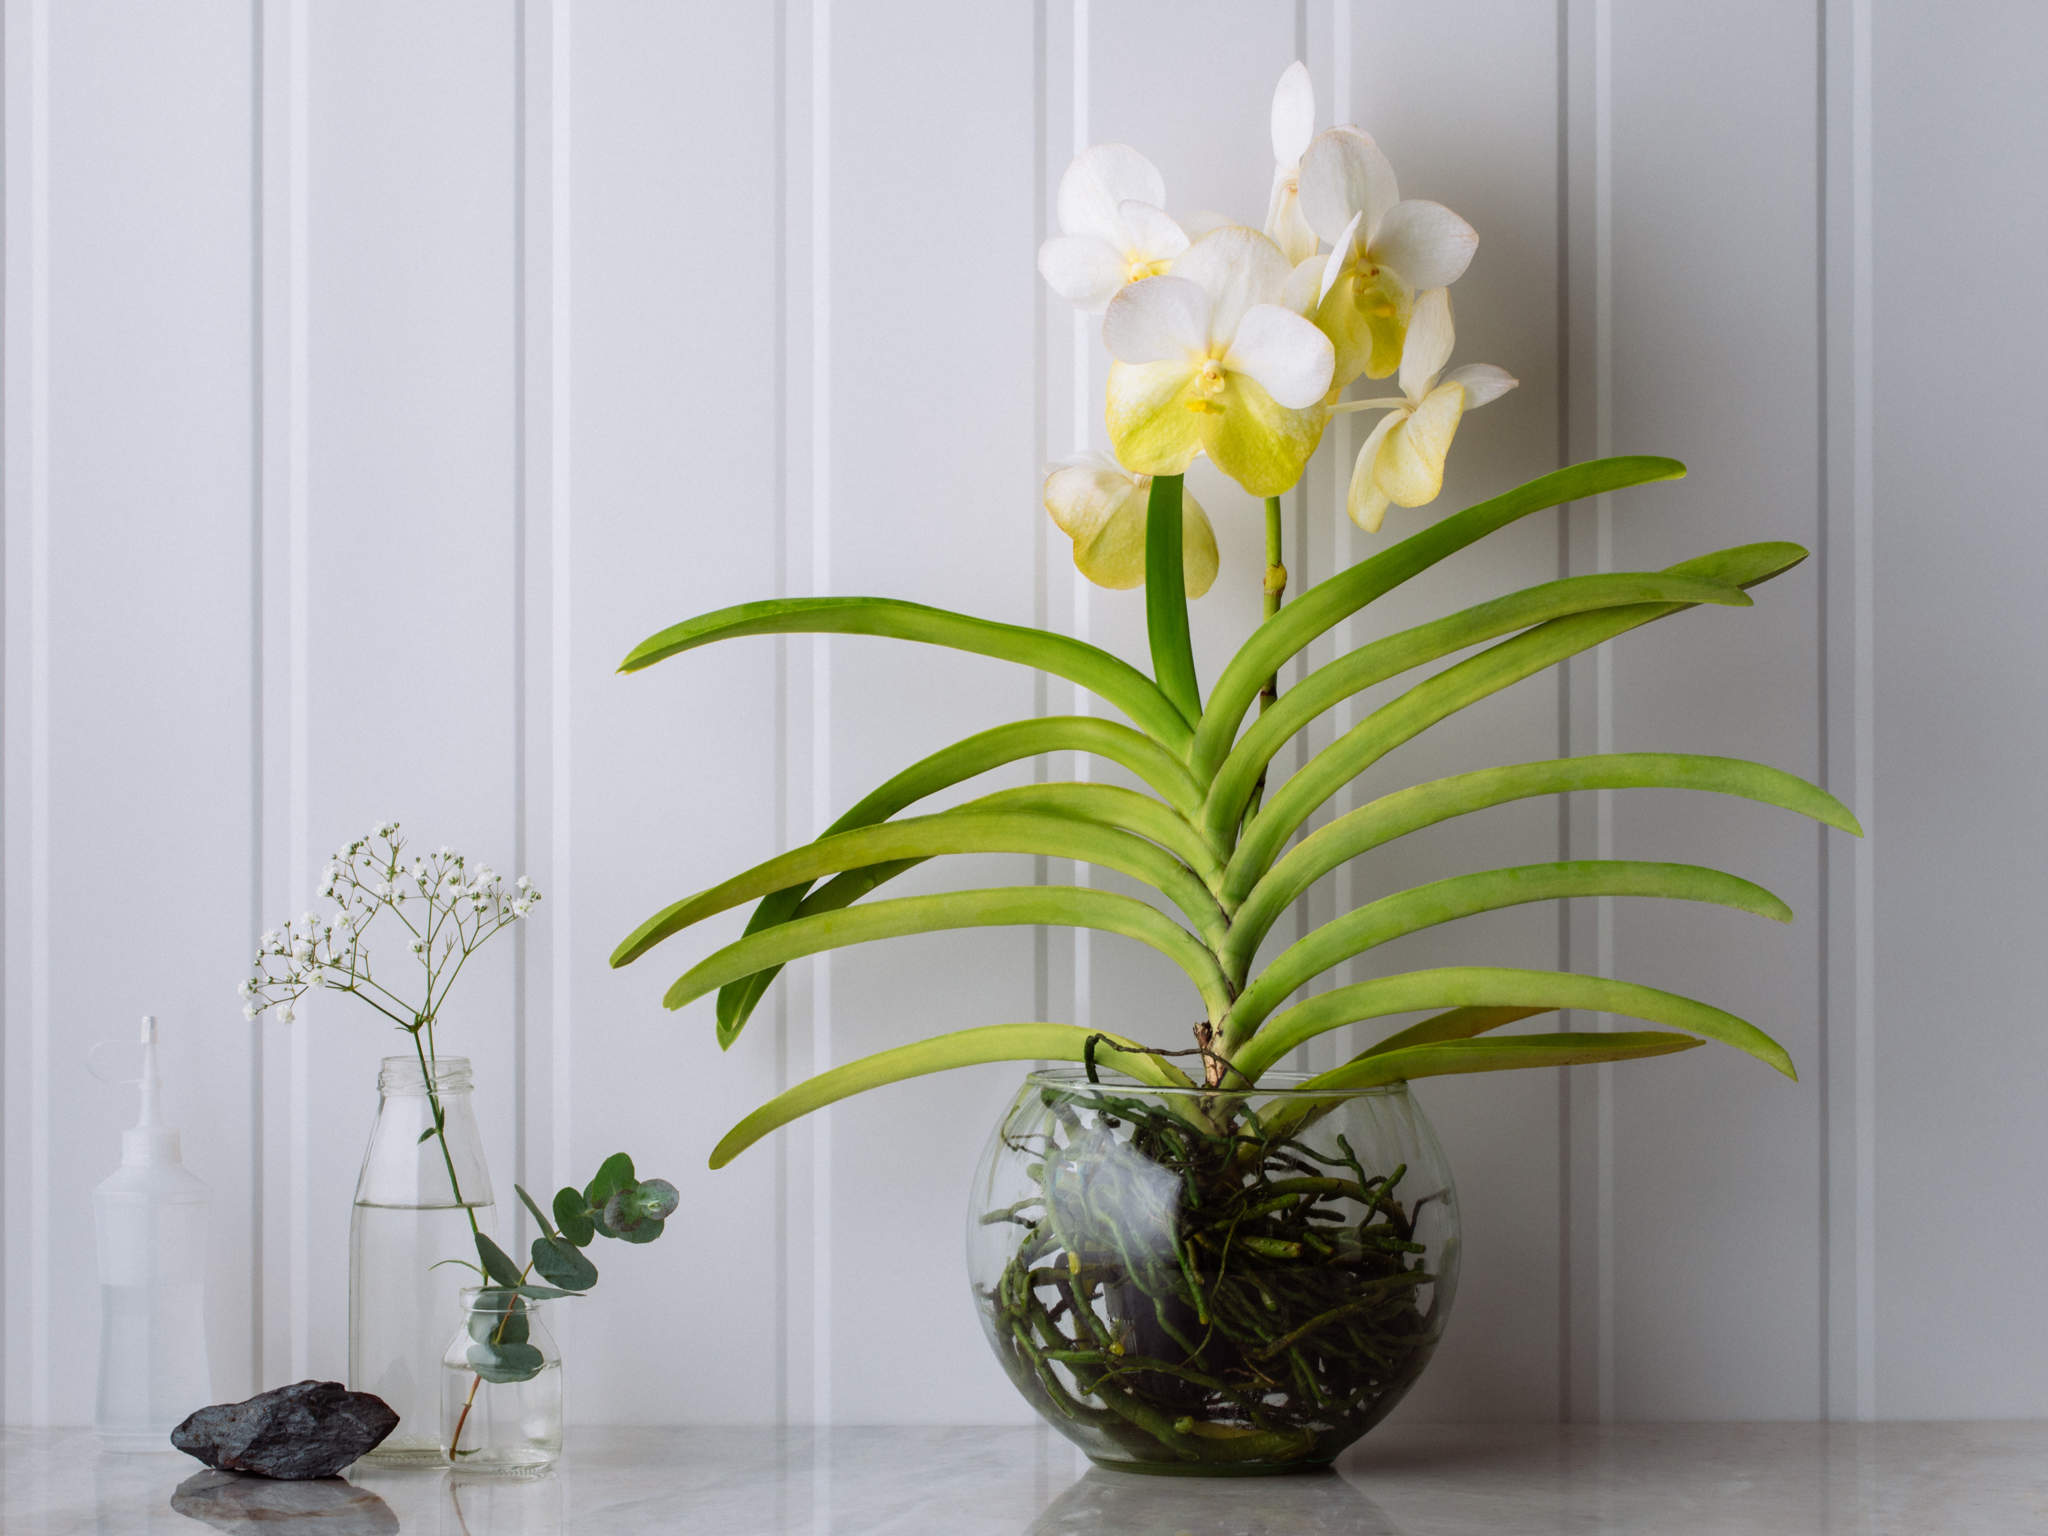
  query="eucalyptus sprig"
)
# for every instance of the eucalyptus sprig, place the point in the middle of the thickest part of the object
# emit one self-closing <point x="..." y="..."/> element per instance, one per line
<point x="615" y="1204"/>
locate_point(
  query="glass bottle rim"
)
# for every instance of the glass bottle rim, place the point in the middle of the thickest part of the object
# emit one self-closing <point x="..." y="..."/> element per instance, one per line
<point x="470" y="1293"/>
<point x="403" y="1075"/>
<point x="1275" y="1085"/>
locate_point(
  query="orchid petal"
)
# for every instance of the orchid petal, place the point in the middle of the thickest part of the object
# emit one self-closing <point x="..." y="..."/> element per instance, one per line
<point x="1115" y="556"/>
<point x="1153" y="411"/>
<point x="1236" y="268"/>
<point x="1154" y="235"/>
<point x="1082" y="270"/>
<point x="1261" y="444"/>
<point x="1283" y="354"/>
<point x="1341" y="252"/>
<point x="1083" y="492"/>
<point x="1285" y="226"/>
<point x="1365" y="315"/>
<point x="1101" y="178"/>
<point x="1428" y="344"/>
<point x="1304" y="287"/>
<point x="1294" y="114"/>
<point x="1410" y="465"/>
<point x="1342" y="173"/>
<point x="1206" y="221"/>
<point x="1156" y="320"/>
<point x="1425" y="242"/>
<point x="1365" y="500"/>
<point x="1481" y="382"/>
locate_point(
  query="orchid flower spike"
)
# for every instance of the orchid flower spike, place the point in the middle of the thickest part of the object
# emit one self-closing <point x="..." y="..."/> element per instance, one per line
<point x="1383" y="250"/>
<point x="1113" y="227"/>
<point x="1209" y="360"/>
<point x="1103" y="509"/>
<point x="1403" y="460"/>
<point x="1294" y="124"/>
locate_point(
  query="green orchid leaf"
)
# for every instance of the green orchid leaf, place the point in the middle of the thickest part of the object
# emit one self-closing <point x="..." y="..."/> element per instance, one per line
<point x="1166" y="600"/>
<point x="1327" y="604"/>
<point x="1421" y="805"/>
<point x="497" y="1262"/>
<point x="1451" y="690"/>
<point x="572" y="1214"/>
<point x="505" y="1364"/>
<point x="1501" y="1054"/>
<point x="1389" y="657"/>
<point x="941" y="1053"/>
<point x="964" y="760"/>
<point x="563" y="1264"/>
<point x="949" y="832"/>
<point x="1055" y="905"/>
<point x="1443" y="901"/>
<point x="1487" y="997"/>
<point x="1108" y="677"/>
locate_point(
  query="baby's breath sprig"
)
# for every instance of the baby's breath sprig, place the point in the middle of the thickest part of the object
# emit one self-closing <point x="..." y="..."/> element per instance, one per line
<point x="447" y="909"/>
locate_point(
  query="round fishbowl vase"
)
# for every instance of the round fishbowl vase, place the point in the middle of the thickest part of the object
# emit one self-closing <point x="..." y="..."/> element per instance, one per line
<point x="1209" y="1282"/>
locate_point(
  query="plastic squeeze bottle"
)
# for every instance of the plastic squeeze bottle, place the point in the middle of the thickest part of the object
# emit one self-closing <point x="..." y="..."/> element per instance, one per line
<point x="150" y="1219"/>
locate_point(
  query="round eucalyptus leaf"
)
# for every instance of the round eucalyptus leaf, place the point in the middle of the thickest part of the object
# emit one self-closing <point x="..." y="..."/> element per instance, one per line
<point x="563" y="1264"/>
<point x="572" y="1215"/>
<point x="505" y="1363"/>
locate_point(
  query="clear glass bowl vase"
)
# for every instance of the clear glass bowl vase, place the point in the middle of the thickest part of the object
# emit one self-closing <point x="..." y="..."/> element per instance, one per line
<point x="1194" y="1281"/>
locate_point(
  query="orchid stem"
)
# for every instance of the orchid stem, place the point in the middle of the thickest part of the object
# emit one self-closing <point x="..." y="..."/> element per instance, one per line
<point x="1275" y="591"/>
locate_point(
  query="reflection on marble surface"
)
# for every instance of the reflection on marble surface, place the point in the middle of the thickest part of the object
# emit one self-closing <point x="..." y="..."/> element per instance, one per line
<point x="228" y="1501"/>
<point x="1136" y="1504"/>
<point x="1410" y="1479"/>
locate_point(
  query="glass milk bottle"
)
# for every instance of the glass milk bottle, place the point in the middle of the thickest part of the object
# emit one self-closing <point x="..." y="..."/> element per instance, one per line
<point x="420" y="1199"/>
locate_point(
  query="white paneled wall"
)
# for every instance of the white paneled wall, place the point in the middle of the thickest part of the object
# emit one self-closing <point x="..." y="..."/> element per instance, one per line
<point x="376" y="375"/>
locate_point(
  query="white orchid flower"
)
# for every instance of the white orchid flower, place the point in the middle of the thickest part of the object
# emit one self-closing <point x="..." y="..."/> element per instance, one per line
<point x="1113" y="227"/>
<point x="1294" y="124"/>
<point x="1209" y="360"/>
<point x="1103" y="509"/>
<point x="1403" y="460"/>
<point x="1383" y="250"/>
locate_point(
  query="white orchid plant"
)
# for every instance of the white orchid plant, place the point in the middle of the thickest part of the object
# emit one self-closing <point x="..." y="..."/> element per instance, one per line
<point x="1239" y="344"/>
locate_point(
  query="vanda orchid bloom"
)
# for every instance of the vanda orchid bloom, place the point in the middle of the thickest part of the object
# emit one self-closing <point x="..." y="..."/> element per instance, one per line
<point x="1113" y="227"/>
<point x="1403" y="460"/>
<point x="1294" y="124"/>
<point x="1383" y="250"/>
<point x="1209" y="360"/>
<point x="1102" y="509"/>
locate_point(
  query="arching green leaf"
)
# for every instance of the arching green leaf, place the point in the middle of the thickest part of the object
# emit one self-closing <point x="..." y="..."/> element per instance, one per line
<point x="1487" y="996"/>
<point x="962" y="830"/>
<point x="1444" y="901"/>
<point x="1504" y="1054"/>
<point x="1048" y="905"/>
<point x="1451" y="690"/>
<point x="1329" y="603"/>
<point x="963" y="1048"/>
<point x="1108" y="677"/>
<point x="1394" y="654"/>
<point x="1421" y="805"/>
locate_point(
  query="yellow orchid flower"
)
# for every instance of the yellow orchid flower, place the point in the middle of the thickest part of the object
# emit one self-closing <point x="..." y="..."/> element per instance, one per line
<point x="1294" y="124"/>
<point x="1383" y="250"/>
<point x="1209" y="360"/>
<point x="1403" y="460"/>
<point x="1113" y="227"/>
<point x="1102" y="509"/>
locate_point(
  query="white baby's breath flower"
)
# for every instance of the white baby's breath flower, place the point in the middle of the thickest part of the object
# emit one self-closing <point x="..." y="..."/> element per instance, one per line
<point x="418" y="946"/>
<point x="519" y="906"/>
<point x="246" y="987"/>
<point x="285" y="1014"/>
<point x="250" y="1011"/>
<point x="523" y="883"/>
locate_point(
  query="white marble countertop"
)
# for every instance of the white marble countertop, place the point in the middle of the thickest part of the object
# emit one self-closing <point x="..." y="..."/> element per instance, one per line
<point x="1415" y="1480"/>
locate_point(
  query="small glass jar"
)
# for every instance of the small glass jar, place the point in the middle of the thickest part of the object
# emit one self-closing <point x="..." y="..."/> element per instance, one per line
<point x="501" y="1387"/>
<point x="421" y="1197"/>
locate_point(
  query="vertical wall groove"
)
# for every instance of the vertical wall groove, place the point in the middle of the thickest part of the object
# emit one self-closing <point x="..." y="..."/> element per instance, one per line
<point x="820" y="539"/>
<point x="258" y="856"/>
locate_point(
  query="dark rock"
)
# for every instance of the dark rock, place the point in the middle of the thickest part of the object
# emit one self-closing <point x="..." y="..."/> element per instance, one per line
<point x="327" y="1505"/>
<point x="308" y="1429"/>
